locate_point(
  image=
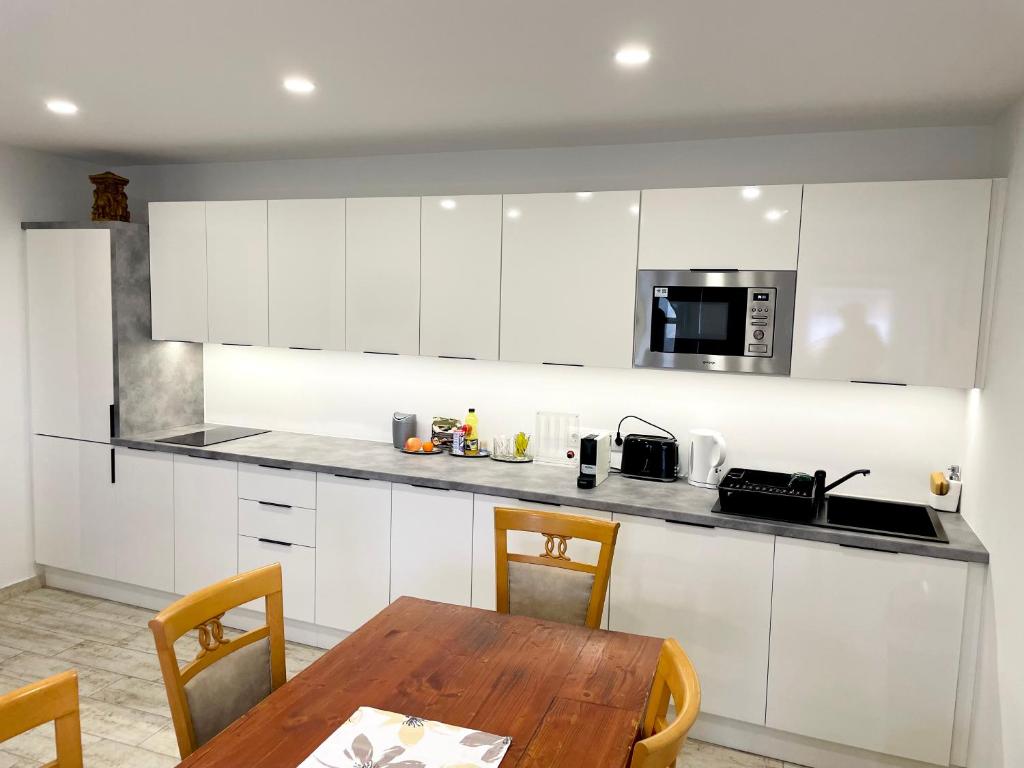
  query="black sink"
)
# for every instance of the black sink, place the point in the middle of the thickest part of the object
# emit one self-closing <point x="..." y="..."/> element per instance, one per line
<point x="911" y="521"/>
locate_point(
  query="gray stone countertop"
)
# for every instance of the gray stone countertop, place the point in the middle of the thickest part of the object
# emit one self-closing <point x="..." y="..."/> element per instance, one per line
<point x="676" y="502"/>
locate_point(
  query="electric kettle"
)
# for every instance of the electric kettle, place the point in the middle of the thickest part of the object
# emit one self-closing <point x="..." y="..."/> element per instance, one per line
<point x="707" y="455"/>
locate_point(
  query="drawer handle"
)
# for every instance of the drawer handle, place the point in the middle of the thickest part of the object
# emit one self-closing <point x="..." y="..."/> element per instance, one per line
<point x="429" y="487"/>
<point x="878" y="383"/>
<point x="274" y="504"/>
<point x="271" y="466"/>
<point x="564" y="365"/>
<point x="692" y="525"/>
<point x="351" y="477"/>
<point x="274" y="541"/>
<point x="545" y="503"/>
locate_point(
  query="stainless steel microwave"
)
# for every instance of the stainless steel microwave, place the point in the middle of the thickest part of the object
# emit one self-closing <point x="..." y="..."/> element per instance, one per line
<point x="738" y="321"/>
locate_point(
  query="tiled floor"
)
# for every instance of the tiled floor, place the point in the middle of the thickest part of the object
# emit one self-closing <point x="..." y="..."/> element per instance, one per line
<point x="125" y="721"/>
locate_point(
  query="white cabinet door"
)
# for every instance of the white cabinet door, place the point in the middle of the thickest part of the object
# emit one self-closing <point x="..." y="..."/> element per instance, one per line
<point x="461" y="257"/>
<point x="306" y="242"/>
<point x="755" y="228"/>
<point x="298" y="573"/>
<point x="431" y="544"/>
<point x="711" y="589"/>
<point x="353" y="536"/>
<point x="73" y="502"/>
<point x="484" y="571"/>
<point x="71" y="338"/>
<point x="890" y="282"/>
<point x="205" y="522"/>
<point x="383" y="286"/>
<point x="177" y="270"/>
<point x="236" y="257"/>
<point x="144" y="506"/>
<point x="568" y="278"/>
<point x="865" y="648"/>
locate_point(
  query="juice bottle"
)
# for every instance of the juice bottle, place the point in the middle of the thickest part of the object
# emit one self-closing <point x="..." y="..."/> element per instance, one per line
<point x="473" y="436"/>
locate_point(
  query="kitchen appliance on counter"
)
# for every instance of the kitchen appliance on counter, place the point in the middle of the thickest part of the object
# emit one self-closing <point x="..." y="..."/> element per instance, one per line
<point x="707" y="455"/>
<point x="648" y="457"/>
<point x="704" y="320"/>
<point x="211" y="436"/>
<point x="403" y="426"/>
<point x="595" y="458"/>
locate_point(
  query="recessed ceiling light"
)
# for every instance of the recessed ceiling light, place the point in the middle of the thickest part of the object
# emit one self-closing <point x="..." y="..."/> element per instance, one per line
<point x="584" y="195"/>
<point x="632" y="56"/>
<point x="448" y="204"/>
<point x="751" y="193"/>
<point x="299" y="85"/>
<point x="513" y="213"/>
<point x="61" y="106"/>
<point x="774" y="214"/>
<point x="635" y="209"/>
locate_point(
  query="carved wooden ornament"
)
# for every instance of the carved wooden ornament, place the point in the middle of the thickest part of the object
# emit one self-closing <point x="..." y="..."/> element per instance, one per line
<point x="109" y="200"/>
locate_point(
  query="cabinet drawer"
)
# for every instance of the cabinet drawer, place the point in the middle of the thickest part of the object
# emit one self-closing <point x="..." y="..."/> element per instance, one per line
<point x="298" y="573"/>
<point x="278" y="522"/>
<point x="278" y="486"/>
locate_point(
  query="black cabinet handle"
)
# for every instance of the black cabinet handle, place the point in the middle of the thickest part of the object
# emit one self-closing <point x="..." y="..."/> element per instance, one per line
<point x="269" y="466"/>
<point x="692" y="525"/>
<point x="274" y="504"/>
<point x="545" y="503"/>
<point x="273" y="541"/>
<point x="352" y="477"/>
<point x="374" y="352"/>
<point x="880" y="383"/>
<point x="113" y="467"/>
<point x="112" y="416"/>
<point x="564" y="365"/>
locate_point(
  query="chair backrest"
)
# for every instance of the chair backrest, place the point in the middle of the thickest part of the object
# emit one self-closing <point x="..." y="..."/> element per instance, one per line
<point x="675" y="681"/>
<point x="56" y="699"/>
<point x="227" y="677"/>
<point x="551" y="585"/>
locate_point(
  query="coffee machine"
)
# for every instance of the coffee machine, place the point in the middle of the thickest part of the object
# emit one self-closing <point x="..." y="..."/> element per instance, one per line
<point x="595" y="458"/>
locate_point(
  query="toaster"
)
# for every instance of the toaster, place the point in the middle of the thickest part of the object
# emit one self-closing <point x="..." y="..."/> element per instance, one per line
<point x="650" y="457"/>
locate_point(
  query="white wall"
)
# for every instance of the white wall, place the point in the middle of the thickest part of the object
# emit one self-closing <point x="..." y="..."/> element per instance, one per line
<point x="879" y="155"/>
<point x="33" y="186"/>
<point x="902" y="434"/>
<point x="991" y="502"/>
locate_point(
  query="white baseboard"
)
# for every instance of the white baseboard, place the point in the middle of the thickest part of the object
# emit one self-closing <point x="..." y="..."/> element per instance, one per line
<point x="294" y="631"/>
<point x="790" y="747"/>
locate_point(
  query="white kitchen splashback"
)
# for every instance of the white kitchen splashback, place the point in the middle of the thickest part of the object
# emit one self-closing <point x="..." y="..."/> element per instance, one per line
<point x="901" y="433"/>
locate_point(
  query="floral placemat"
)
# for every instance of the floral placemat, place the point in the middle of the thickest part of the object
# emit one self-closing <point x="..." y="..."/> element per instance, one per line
<point x="373" y="738"/>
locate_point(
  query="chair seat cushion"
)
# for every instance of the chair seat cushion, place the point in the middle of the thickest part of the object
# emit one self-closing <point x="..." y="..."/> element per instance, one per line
<point x="228" y="688"/>
<point x="549" y="593"/>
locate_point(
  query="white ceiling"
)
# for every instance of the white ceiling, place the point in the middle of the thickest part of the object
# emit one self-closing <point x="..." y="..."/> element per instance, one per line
<point x="193" y="80"/>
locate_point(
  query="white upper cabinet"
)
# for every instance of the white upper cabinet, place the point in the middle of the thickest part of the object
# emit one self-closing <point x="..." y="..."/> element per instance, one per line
<point x="865" y="648"/>
<point x="569" y="278"/>
<point x="306" y="241"/>
<point x="177" y="266"/>
<point x="382" y="291"/>
<point x="890" y="282"/>
<point x="460" y="294"/>
<point x="71" y="335"/>
<point x="712" y="589"/>
<point x="752" y="228"/>
<point x="236" y="256"/>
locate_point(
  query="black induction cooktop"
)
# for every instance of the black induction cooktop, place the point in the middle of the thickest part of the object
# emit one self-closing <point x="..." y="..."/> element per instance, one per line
<point x="212" y="436"/>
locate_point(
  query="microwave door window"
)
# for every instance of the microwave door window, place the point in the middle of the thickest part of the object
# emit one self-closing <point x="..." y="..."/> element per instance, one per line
<point x="675" y="325"/>
<point x="723" y="321"/>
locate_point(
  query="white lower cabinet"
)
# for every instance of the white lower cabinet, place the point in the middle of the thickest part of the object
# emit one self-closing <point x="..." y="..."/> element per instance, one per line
<point x="865" y="648"/>
<point x="205" y="522"/>
<point x="144" y="507"/>
<point x="298" y="573"/>
<point x="431" y="544"/>
<point x="711" y="589"/>
<point x="75" y="524"/>
<point x="353" y="534"/>
<point x="484" y="586"/>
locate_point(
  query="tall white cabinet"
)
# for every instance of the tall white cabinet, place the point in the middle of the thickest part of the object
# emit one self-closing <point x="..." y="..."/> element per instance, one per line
<point x="71" y="327"/>
<point x="177" y="266"/>
<point x="460" y="284"/>
<point x="569" y="278"/>
<point x="382" y="292"/>
<point x="890" y="283"/>
<point x="750" y="228"/>
<point x="865" y="648"/>
<point x="711" y="589"/>
<point x="306" y="251"/>
<point x="236" y="271"/>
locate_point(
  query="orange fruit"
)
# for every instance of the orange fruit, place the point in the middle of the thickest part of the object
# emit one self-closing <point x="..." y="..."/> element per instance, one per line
<point x="413" y="444"/>
<point x="428" y="446"/>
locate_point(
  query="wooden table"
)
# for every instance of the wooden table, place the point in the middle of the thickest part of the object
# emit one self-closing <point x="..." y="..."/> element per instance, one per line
<point x="568" y="696"/>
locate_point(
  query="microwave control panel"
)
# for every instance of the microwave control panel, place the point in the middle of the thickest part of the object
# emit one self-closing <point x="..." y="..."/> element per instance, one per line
<point x="760" y="322"/>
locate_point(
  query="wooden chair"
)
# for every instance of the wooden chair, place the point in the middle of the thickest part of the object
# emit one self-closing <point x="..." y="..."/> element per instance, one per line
<point x="227" y="677"/>
<point x="551" y="585"/>
<point x="56" y="699"/>
<point x="675" y="680"/>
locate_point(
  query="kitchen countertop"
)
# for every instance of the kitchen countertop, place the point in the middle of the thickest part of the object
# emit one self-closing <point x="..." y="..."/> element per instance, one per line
<point x="676" y="502"/>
